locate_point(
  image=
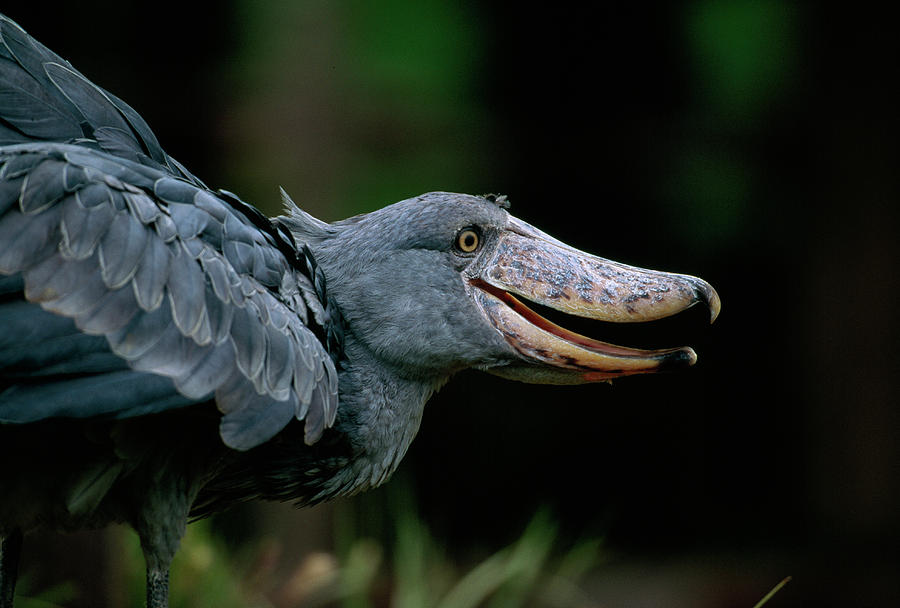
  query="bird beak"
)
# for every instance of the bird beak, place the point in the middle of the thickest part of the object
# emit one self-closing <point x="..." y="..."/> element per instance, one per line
<point x="527" y="264"/>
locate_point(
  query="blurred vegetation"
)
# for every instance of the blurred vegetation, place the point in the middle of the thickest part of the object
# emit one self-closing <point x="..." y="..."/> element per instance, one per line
<point x="743" y="59"/>
<point x="411" y="572"/>
<point x="56" y="596"/>
<point x="382" y="106"/>
<point x="744" y="54"/>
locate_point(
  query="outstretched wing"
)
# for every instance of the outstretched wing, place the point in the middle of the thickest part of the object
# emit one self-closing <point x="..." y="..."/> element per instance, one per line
<point x="126" y="286"/>
<point x="44" y="98"/>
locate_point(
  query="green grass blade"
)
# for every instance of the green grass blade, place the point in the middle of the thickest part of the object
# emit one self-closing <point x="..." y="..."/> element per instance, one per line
<point x="771" y="593"/>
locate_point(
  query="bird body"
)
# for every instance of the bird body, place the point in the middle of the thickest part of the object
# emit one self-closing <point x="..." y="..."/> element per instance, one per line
<point x="167" y="350"/>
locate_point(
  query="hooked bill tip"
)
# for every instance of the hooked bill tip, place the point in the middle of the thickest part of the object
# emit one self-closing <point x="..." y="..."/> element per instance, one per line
<point x="678" y="359"/>
<point x="705" y="293"/>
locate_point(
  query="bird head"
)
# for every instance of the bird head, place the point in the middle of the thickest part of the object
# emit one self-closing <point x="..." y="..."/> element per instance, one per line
<point x="443" y="282"/>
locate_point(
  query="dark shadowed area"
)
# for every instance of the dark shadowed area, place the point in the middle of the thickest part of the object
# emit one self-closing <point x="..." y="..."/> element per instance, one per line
<point x="752" y="143"/>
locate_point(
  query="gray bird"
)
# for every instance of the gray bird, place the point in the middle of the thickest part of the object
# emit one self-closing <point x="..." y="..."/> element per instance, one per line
<point x="166" y="350"/>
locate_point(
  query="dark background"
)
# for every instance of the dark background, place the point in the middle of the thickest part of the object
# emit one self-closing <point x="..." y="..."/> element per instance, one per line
<point x="751" y="143"/>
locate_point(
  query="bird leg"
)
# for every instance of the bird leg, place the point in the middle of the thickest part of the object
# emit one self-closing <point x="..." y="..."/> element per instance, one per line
<point x="10" y="548"/>
<point x="160" y="526"/>
<point x="159" y="549"/>
<point x="157" y="587"/>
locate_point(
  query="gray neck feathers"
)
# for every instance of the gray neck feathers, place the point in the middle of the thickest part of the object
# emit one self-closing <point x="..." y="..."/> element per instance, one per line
<point x="380" y="412"/>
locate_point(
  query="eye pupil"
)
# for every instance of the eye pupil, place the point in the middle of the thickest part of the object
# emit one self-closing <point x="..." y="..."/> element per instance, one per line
<point x="467" y="240"/>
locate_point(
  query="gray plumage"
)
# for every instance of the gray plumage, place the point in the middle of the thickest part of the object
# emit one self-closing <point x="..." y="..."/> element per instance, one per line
<point x="170" y="304"/>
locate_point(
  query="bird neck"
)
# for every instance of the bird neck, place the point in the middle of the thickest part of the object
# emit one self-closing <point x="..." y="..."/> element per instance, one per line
<point x="378" y="415"/>
<point x="379" y="411"/>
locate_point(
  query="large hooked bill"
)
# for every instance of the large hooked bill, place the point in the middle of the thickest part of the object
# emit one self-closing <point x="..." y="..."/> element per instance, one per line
<point x="534" y="266"/>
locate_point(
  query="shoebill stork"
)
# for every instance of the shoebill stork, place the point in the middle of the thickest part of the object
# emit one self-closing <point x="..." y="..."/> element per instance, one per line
<point x="166" y="350"/>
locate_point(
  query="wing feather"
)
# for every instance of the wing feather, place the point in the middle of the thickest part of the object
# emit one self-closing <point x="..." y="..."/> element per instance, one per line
<point x="172" y="355"/>
<point x="152" y="274"/>
<point x="220" y="314"/>
<point x="112" y="312"/>
<point x="73" y="289"/>
<point x="25" y="106"/>
<point x="206" y="375"/>
<point x="142" y="206"/>
<point x="181" y="286"/>
<point x="248" y="336"/>
<point x="186" y="286"/>
<point x="90" y="99"/>
<point x="250" y="418"/>
<point x="279" y="363"/>
<point x="82" y="226"/>
<point x="217" y="271"/>
<point x="43" y="186"/>
<point x="9" y="192"/>
<point x="135" y="339"/>
<point x="19" y="165"/>
<point x="121" y="249"/>
<point x="27" y="239"/>
<point x="167" y="292"/>
<point x="165" y="228"/>
<point x="74" y="177"/>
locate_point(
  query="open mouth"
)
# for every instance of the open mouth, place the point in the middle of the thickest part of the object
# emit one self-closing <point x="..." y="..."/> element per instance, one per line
<point x="590" y="360"/>
<point x="530" y="267"/>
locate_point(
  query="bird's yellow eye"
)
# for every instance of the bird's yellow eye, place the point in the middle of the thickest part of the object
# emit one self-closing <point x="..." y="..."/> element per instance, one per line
<point x="467" y="240"/>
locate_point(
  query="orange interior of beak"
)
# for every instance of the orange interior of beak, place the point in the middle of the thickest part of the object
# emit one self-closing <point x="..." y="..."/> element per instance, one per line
<point x="561" y="332"/>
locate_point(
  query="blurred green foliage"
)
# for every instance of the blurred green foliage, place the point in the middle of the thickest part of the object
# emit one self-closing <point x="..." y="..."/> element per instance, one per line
<point x="380" y="104"/>
<point x="54" y="597"/>
<point x="204" y="574"/>
<point x="710" y="191"/>
<point x="744" y="57"/>
<point x="412" y="572"/>
<point x="744" y="53"/>
<point x="411" y="89"/>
